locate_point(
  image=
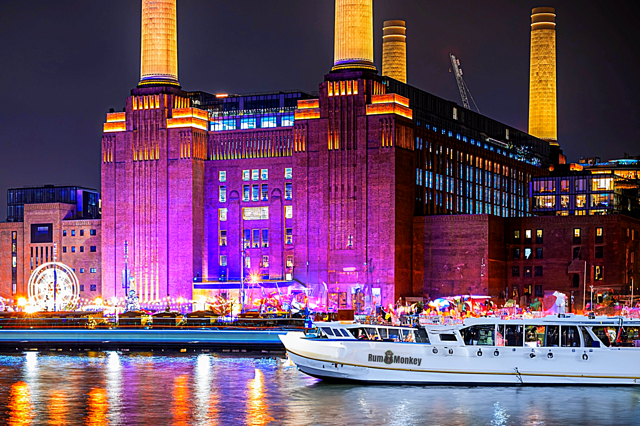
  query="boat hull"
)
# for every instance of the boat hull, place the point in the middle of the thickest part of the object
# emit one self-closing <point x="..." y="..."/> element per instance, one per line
<point x="419" y="364"/>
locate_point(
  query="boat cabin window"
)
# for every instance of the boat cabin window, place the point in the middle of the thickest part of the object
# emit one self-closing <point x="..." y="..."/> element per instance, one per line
<point x="570" y="336"/>
<point x="480" y="335"/>
<point x="383" y="333"/>
<point x="344" y="332"/>
<point x="327" y="331"/>
<point x="588" y="340"/>
<point x="448" y="337"/>
<point x="407" y="335"/>
<point x="512" y="334"/>
<point x="373" y="333"/>
<point x="421" y="336"/>
<point x="534" y="335"/>
<point x="611" y="336"/>
<point x="553" y="336"/>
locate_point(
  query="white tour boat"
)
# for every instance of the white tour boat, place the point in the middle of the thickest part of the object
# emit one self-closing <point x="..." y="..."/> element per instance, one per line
<point x="554" y="350"/>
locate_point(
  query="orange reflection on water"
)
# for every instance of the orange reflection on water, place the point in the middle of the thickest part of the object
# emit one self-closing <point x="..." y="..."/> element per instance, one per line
<point x="58" y="409"/>
<point x="257" y="410"/>
<point x="98" y="407"/>
<point x="180" y="407"/>
<point x="20" y="405"/>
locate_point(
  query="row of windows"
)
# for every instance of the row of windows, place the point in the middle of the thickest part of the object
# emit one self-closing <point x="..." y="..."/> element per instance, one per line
<point x="254" y="213"/>
<point x="581" y="185"/>
<point x="255" y="174"/>
<point x="601" y="201"/>
<point x="92" y="232"/>
<point x="256" y="192"/>
<point x="528" y="253"/>
<point x="526" y="271"/>
<point x="577" y="236"/>
<point x="92" y="287"/>
<point x="91" y="270"/>
<point x="92" y="249"/>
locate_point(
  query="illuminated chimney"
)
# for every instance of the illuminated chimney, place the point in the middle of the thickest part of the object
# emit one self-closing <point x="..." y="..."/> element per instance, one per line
<point x="543" y="119"/>
<point x="354" y="35"/>
<point x="159" y="44"/>
<point x="394" y="50"/>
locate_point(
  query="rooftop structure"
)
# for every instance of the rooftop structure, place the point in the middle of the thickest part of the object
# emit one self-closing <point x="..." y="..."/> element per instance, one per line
<point x="86" y="201"/>
<point x="159" y="44"/>
<point x="394" y="50"/>
<point x="353" y="35"/>
<point x="543" y="121"/>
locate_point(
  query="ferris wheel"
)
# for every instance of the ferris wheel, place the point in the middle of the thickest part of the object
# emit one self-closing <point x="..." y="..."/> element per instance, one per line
<point x="53" y="286"/>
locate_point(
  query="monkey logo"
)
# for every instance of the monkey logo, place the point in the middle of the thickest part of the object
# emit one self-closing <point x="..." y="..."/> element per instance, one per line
<point x="388" y="357"/>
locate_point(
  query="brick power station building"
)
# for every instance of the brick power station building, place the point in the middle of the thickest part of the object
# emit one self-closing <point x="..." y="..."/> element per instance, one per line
<point x="370" y="190"/>
<point x="208" y="189"/>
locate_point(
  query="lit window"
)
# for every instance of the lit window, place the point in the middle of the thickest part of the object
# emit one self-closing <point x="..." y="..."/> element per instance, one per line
<point x="577" y="235"/>
<point x="246" y="175"/>
<point x="247" y="262"/>
<point x="350" y="241"/>
<point x="289" y="261"/>
<point x="527" y="236"/>
<point x="264" y="174"/>
<point x="265" y="238"/>
<point x="268" y="121"/>
<point x="223" y="194"/>
<point x="255" y="238"/>
<point x="255" y="192"/>
<point x="516" y="236"/>
<point x="287" y="119"/>
<point x="222" y="215"/>
<point x="92" y="232"/>
<point x="73" y="249"/>
<point x="527" y="252"/>
<point x="223" y="260"/>
<point x="538" y="236"/>
<point x="64" y="233"/>
<point x="288" y="191"/>
<point x="288" y="238"/>
<point x="527" y="271"/>
<point x="255" y="213"/>
<point x="73" y="232"/>
<point x="245" y="193"/>
<point x="82" y="270"/>
<point x="288" y="212"/>
<point x="255" y="174"/>
<point x="265" y="261"/>
<point x="599" y="235"/>
<point x="288" y="173"/>
<point x="247" y="123"/>
<point x="598" y="272"/>
<point x="222" y="176"/>
<point x="246" y="236"/>
<point x="93" y="270"/>
<point x="223" y="238"/>
<point x="264" y="192"/>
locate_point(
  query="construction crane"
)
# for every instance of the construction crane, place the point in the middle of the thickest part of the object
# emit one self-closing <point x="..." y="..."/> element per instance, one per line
<point x="462" y="86"/>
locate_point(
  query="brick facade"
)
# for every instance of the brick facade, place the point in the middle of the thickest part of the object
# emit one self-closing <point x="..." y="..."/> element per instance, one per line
<point x="78" y="246"/>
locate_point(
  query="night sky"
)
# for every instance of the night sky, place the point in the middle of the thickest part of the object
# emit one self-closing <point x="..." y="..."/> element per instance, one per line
<point x="63" y="64"/>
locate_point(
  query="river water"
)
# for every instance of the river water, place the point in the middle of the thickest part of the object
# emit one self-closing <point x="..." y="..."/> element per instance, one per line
<point x="147" y="389"/>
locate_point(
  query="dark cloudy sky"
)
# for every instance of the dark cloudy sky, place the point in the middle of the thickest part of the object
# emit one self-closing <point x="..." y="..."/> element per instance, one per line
<point x="64" y="63"/>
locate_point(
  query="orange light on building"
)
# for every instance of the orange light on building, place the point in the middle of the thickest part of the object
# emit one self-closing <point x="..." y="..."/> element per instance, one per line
<point x="390" y="104"/>
<point x="307" y="114"/>
<point x="189" y="117"/>
<point x="353" y="43"/>
<point x="390" y="98"/>
<point x="114" y="117"/>
<point x="114" y="127"/>
<point x="308" y="103"/>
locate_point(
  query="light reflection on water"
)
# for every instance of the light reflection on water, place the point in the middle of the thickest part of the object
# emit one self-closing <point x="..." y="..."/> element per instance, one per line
<point x="146" y="389"/>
